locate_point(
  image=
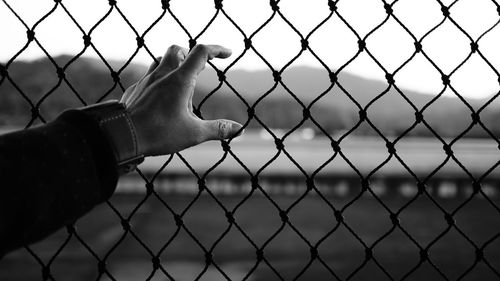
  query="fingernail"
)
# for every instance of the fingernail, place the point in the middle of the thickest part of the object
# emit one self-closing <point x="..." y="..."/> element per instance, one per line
<point x="228" y="51"/>
<point x="235" y="129"/>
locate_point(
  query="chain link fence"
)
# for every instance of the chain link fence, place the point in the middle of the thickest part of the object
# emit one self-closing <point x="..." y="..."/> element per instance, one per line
<point x="336" y="214"/>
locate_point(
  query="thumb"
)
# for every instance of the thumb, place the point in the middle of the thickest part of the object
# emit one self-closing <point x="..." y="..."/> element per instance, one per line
<point x="221" y="129"/>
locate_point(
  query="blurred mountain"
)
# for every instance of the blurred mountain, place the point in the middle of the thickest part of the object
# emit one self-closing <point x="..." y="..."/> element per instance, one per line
<point x="333" y="108"/>
<point x="391" y="112"/>
<point x="37" y="82"/>
<point x="307" y="83"/>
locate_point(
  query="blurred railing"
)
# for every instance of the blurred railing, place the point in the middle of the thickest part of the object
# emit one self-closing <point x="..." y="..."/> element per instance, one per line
<point x="363" y="176"/>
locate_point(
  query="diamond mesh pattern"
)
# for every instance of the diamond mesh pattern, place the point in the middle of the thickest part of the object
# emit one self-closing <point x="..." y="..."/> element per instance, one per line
<point x="337" y="214"/>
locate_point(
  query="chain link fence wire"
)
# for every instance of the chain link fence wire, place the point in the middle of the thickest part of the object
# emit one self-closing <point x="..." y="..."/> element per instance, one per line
<point x="423" y="251"/>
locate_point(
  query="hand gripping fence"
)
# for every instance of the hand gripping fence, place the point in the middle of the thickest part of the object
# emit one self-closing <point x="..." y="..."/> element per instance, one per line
<point x="423" y="251"/>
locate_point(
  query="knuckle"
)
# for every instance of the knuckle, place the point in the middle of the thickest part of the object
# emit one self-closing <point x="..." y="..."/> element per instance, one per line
<point x="200" y="48"/>
<point x="184" y="51"/>
<point x="223" y="128"/>
<point x="173" y="49"/>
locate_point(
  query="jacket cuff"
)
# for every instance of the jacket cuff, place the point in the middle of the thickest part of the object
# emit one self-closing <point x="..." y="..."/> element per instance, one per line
<point x="115" y="123"/>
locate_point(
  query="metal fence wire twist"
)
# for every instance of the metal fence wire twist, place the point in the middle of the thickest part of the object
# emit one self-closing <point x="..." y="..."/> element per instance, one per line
<point x="310" y="186"/>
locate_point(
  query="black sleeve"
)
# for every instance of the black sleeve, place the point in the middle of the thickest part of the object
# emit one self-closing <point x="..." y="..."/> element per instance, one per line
<point x="51" y="175"/>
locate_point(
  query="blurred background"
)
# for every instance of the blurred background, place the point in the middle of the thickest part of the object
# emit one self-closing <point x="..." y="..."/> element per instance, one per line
<point x="313" y="190"/>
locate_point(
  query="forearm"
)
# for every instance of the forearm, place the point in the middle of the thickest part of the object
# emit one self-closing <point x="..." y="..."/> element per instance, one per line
<point x="50" y="176"/>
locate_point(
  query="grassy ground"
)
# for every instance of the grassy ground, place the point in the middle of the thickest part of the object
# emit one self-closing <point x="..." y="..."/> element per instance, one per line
<point x="287" y="253"/>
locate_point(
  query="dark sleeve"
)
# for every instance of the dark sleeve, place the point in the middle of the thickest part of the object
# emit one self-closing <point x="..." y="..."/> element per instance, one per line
<point x="50" y="176"/>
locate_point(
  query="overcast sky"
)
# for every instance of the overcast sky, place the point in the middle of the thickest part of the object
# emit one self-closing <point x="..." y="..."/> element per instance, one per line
<point x="333" y="42"/>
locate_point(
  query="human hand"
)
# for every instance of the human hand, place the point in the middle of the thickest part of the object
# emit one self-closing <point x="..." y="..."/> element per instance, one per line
<point x="160" y="103"/>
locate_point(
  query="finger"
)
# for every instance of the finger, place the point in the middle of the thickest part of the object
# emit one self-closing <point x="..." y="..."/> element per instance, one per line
<point x="130" y="95"/>
<point x="153" y="66"/>
<point x="198" y="57"/>
<point x="221" y="129"/>
<point x="172" y="59"/>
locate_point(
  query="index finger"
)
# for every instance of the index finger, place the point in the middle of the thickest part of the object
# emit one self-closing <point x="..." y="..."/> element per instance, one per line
<point x="199" y="55"/>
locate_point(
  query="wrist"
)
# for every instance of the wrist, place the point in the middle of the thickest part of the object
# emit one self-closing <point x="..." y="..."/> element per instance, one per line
<point x="116" y="124"/>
